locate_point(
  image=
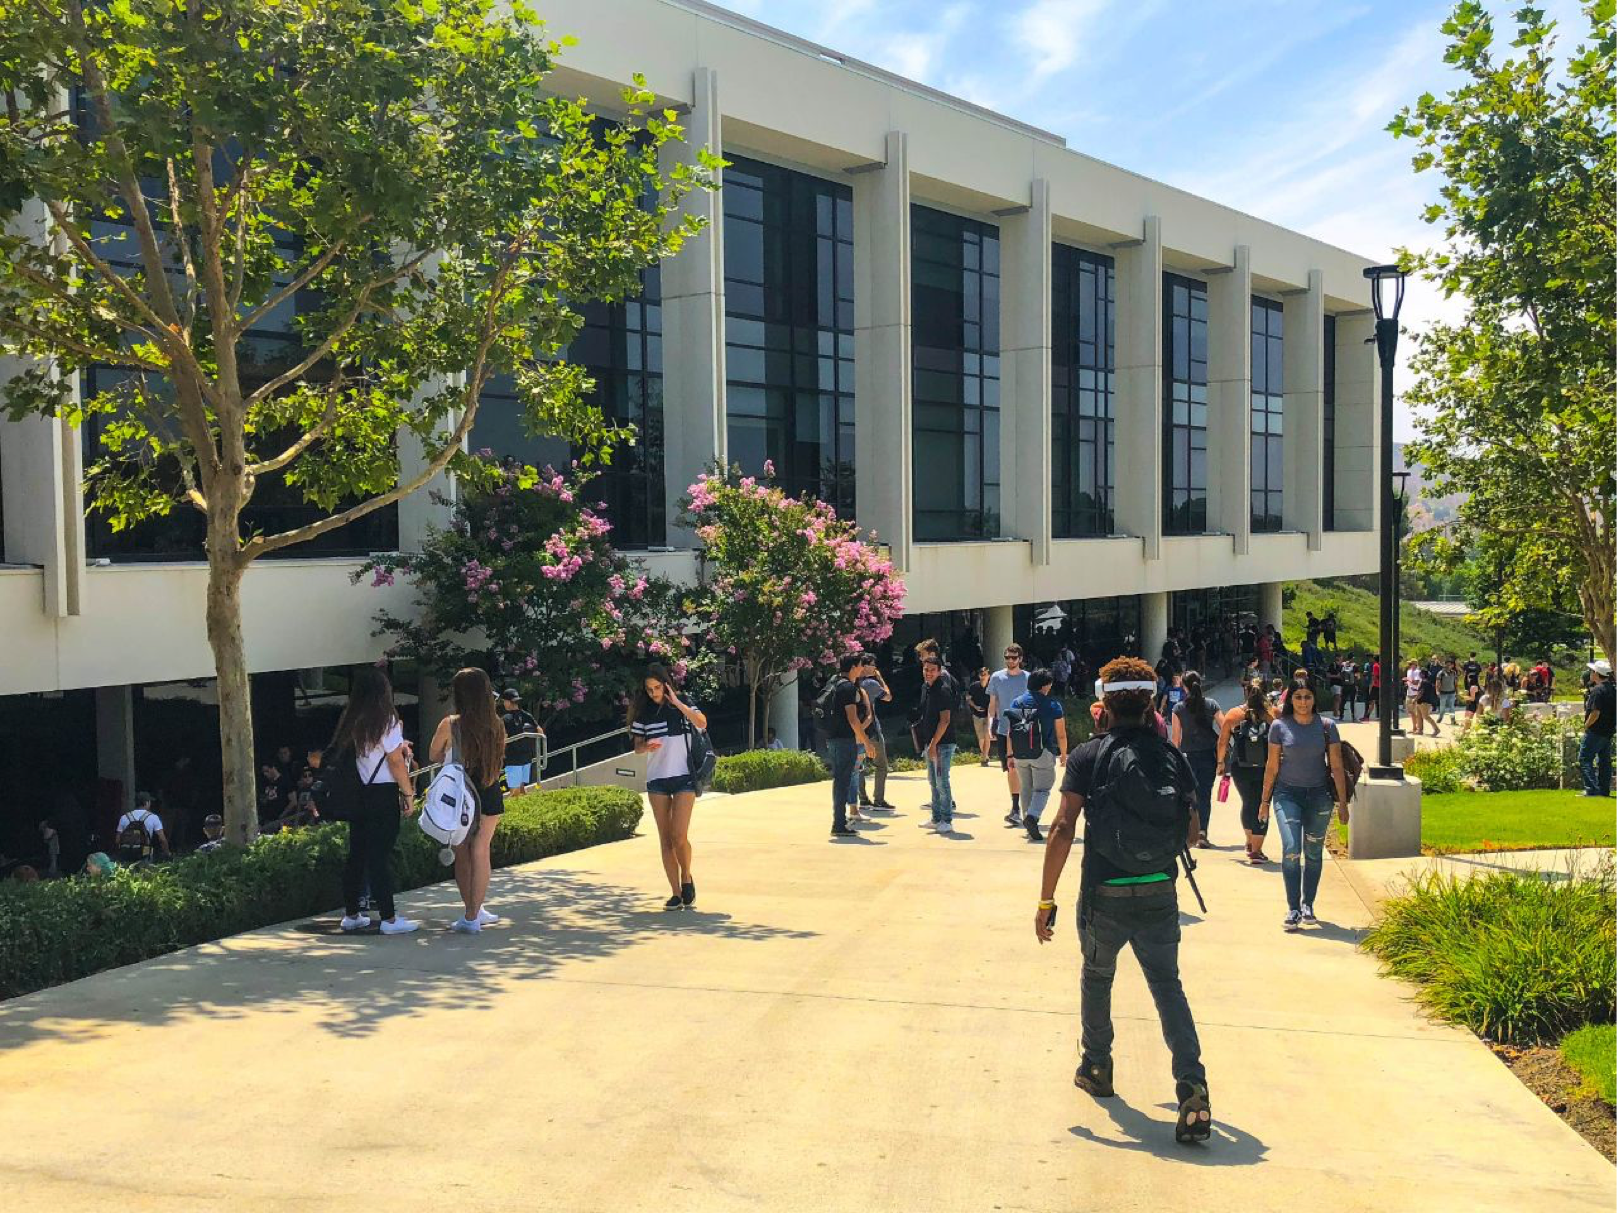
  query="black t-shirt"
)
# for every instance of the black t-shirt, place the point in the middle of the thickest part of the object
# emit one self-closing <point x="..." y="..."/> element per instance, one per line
<point x="1602" y="699"/>
<point x="1081" y="777"/>
<point x="977" y="696"/>
<point x="526" y="750"/>
<point x="936" y="699"/>
<point x="1473" y="673"/>
<point x="845" y="696"/>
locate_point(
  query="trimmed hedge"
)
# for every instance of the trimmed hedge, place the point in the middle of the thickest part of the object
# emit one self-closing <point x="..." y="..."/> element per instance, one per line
<point x="755" y="770"/>
<point x="61" y="930"/>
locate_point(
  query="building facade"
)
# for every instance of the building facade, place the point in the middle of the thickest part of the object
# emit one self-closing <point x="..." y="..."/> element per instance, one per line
<point x="1042" y="380"/>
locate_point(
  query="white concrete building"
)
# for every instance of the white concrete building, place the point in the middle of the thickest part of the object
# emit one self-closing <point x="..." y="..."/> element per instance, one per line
<point x="1043" y="379"/>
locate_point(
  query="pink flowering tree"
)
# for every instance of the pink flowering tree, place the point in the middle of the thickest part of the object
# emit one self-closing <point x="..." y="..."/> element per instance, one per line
<point x="786" y="584"/>
<point x="526" y="583"/>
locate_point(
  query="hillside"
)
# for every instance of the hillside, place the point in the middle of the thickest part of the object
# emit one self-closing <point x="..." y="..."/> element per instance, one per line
<point x="1358" y="614"/>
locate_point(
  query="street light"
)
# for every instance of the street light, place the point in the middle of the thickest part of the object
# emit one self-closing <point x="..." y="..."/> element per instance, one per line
<point x="1401" y="495"/>
<point x="1385" y="280"/>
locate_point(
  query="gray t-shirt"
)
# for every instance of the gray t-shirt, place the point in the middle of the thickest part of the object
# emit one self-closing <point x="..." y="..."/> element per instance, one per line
<point x="873" y="688"/>
<point x="1006" y="688"/>
<point x="1303" y="750"/>
<point x="1197" y="736"/>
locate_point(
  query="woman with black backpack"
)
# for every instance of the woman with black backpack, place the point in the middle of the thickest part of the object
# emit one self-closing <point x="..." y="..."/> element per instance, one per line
<point x="1197" y="723"/>
<point x="1243" y="752"/>
<point x="663" y="725"/>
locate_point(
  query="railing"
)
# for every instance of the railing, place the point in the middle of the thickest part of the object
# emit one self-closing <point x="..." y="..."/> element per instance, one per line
<point x="422" y="776"/>
<point x="573" y="750"/>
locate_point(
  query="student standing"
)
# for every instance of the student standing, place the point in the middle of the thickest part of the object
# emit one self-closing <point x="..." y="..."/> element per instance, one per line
<point x="936" y="732"/>
<point x="877" y="692"/>
<point x="1599" y="715"/>
<point x="1049" y="734"/>
<point x="520" y="755"/>
<point x="370" y="727"/>
<point x="662" y="724"/>
<point x="1195" y="730"/>
<point x="475" y="737"/>
<point x="1243" y="753"/>
<point x="1304" y="769"/>
<point x="846" y="739"/>
<point x="1004" y="686"/>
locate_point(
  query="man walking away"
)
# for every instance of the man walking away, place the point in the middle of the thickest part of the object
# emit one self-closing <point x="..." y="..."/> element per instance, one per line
<point x="1328" y="627"/>
<point x="1006" y="685"/>
<point x="845" y="739"/>
<point x="520" y="755"/>
<point x="1038" y="739"/>
<point x="1137" y="794"/>
<point x="1473" y="671"/>
<point x="935" y="731"/>
<point x="876" y="688"/>
<point x="1599" y="715"/>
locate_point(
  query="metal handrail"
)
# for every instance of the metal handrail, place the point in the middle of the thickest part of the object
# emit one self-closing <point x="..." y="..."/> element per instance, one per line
<point x="426" y="773"/>
<point x="423" y="775"/>
<point x="573" y="749"/>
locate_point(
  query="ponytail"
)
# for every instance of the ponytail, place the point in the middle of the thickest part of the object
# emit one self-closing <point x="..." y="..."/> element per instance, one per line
<point x="1196" y="705"/>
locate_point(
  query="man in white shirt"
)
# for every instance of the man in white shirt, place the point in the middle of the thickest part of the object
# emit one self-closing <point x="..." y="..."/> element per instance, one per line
<point x="139" y="828"/>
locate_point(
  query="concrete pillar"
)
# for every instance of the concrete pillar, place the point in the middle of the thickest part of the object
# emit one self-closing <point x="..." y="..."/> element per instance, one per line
<point x="1270" y="609"/>
<point x="1024" y="420"/>
<point x="423" y="509"/>
<point x="1138" y="400"/>
<point x="1384" y="819"/>
<point x="1229" y="401"/>
<point x="1303" y="505"/>
<point x="998" y="631"/>
<point x="1153" y="624"/>
<point x="115" y="739"/>
<point x="693" y="319"/>
<point x="782" y="714"/>
<point x="883" y="383"/>
<point x="1357" y="389"/>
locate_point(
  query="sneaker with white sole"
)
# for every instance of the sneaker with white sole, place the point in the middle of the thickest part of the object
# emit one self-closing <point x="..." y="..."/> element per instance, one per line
<point x="486" y="918"/>
<point x="355" y="924"/>
<point x="1308" y="916"/>
<point x="465" y="926"/>
<point x="1294" y="920"/>
<point x="399" y="926"/>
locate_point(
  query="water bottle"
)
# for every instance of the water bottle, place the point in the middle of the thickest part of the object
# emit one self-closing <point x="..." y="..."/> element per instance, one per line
<point x="1223" y="789"/>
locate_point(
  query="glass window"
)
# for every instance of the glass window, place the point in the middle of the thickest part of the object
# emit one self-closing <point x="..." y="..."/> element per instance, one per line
<point x="1081" y="396"/>
<point x="1184" y="406"/>
<point x="955" y="312"/>
<point x="1268" y="409"/>
<point x="1328" y="471"/>
<point x="788" y="328"/>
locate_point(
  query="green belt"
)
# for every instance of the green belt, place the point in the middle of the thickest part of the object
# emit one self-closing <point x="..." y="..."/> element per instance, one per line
<point x="1151" y="879"/>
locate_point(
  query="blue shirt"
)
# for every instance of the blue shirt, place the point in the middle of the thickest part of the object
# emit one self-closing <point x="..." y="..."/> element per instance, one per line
<point x="1049" y="710"/>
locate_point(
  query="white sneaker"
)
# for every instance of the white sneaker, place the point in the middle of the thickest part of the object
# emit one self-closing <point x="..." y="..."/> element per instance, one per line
<point x="486" y="918"/>
<point x="355" y="924"/>
<point x="466" y="926"/>
<point x="945" y="827"/>
<point x="399" y="926"/>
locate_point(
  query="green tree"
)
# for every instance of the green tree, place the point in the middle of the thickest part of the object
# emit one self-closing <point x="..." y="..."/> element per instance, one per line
<point x="171" y="174"/>
<point x="1515" y="402"/>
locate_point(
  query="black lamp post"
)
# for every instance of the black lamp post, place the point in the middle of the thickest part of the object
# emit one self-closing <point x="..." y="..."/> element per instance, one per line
<point x="1401" y="496"/>
<point x="1385" y="279"/>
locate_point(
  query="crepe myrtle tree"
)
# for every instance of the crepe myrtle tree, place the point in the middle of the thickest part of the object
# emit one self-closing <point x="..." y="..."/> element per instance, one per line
<point x="786" y="584"/>
<point x="526" y="583"/>
<point x="175" y="174"/>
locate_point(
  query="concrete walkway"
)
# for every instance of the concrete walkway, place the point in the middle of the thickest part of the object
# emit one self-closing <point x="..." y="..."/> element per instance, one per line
<point x="840" y="1026"/>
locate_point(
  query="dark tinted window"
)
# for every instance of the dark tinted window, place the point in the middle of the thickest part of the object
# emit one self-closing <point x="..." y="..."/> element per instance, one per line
<point x="1082" y="374"/>
<point x="1268" y="408"/>
<point x="1184" y="406"/>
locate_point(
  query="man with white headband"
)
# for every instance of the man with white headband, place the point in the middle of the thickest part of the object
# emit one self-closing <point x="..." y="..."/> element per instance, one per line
<point x="1137" y="794"/>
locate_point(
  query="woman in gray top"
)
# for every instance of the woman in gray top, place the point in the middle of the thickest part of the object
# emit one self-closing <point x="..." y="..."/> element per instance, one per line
<point x="1196" y="724"/>
<point x="1305" y="766"/>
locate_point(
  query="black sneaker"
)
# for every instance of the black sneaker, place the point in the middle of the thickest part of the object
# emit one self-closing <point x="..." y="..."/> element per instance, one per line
<point x="882" y="804"/>
<point x="1094" y="1077"/>
<point x="866" y="803"/>
<point x="674" y="903"/>
<point x="844" y="832"/>
<point x="687" y="893"/>
<point x="1013" y="819"/>
<point x="1032" y="830"/>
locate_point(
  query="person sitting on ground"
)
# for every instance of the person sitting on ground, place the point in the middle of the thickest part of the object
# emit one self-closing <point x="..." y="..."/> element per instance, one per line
<point x="51" y="840"/>
<point x="139" y="829"/>
<point x="213" y="833"/>
<point x="771" y="741"/>
<point x="99" y="863"/>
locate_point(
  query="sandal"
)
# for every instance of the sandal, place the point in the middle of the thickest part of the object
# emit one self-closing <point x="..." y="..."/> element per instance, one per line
<point x="1195" y="1122"/>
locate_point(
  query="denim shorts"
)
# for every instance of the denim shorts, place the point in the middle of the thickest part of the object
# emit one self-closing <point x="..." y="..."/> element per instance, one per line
<point x="671" y="786"/>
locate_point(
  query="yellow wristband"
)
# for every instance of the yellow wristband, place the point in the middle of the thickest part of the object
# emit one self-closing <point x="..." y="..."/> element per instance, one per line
<point x="1047" y="905"/>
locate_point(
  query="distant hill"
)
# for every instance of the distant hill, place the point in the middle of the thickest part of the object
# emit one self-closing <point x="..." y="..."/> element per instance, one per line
<point x="1424" y="512"/>
<point x="1358" y="614"/>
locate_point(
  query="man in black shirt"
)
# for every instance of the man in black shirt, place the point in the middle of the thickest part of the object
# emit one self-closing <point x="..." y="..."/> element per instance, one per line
<point x="1119" y="908"/>
<point x="935" y="732"/>
<point x="1473" y="671"/>
<point x="845" y="738"/>
<point x="520" y="755"/>
<point x="1599" y="716"/>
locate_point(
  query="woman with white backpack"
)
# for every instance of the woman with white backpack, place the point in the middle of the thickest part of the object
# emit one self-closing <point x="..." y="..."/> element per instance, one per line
<point x="370" y="727"/>
<point x="474" y="737"/>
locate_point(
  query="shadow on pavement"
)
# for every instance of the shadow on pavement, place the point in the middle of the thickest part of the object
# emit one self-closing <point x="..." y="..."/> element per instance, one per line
<point x="1228" y="1147"/>
<point x="550" y="917"/>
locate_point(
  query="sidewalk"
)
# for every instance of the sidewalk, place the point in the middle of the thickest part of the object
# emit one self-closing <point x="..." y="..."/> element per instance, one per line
<point x="859" y="1026"/>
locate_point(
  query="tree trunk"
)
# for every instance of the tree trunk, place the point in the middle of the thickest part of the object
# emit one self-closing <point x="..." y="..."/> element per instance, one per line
<point x="752" y="711"/>
<point x="235" y="692"/>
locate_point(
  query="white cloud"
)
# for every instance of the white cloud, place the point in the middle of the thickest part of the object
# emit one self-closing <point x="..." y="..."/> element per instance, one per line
<point x="1053" y="34"/>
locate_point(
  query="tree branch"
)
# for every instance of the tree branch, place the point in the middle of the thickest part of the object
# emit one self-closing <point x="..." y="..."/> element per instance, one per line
<point x="185" y="247"/>
<point x="114" y="357"/>
<point x="316" y="267"/>
<point x="237" y="196"/>
<point x="312" y="436"/>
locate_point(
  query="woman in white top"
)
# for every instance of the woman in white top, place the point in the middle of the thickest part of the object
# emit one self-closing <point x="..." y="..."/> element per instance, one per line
<point x="1496" y="700"/>
<point x="371" y="729"/>
<point x="662" y="725"/>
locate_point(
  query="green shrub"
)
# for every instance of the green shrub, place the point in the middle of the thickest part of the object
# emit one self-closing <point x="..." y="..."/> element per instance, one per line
<point x="61" y="930"/>
<point x="757" y="769"/>
<point x="1524" y="754"/>
<point x="1438" y="770"/>
<point x="1517" y="957"/>
<point x="1592" y="1052"/>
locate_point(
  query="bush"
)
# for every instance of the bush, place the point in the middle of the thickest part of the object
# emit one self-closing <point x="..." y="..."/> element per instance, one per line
<point x="61" y="930"/>
<point x="1525" y="754"/>
<point x="757" y="769"/>
<point x="1592" y="1052"/>
<point x="1517" y="957"/>
<point x="1437" y="770"/>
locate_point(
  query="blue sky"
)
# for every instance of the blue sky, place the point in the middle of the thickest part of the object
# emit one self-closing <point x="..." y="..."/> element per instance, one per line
<point x="1275" y="107"/>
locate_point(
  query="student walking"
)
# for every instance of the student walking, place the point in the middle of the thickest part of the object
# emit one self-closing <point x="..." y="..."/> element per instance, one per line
<point x="475" y="737"/>
<point x="1197" y="721"/>
<point x="1304" y="768"/>
<point x="1599" y="716"/>
<point x="1448" y="687"/>
<point x="521" y="752"/>
<point x="1350" y="690"/>
<point x="935" y="732"/>
<point x="1037" y="733"/>
<point x="371" y="730"/>
<point x="877" y="692"/>
<point x="977" y="701"/>
<point x="662" y="725"/>
<point x="1130" y="775"/>
<point x="1243" y="753"/>
<point x="1004" y="687"/>
<point x="846" y="739"/>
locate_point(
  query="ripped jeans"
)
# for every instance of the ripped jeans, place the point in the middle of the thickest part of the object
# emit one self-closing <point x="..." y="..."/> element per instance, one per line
<point x="1302" y="815"/>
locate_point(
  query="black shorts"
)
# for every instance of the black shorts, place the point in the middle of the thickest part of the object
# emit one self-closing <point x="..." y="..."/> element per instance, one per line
<point x="998" y="749"/>
<point x="491" y="800"/>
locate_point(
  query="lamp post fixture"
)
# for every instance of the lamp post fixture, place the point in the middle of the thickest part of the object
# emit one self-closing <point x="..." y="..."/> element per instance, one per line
<point x="1387" y="280"/>
<point x="1401" y="496"/>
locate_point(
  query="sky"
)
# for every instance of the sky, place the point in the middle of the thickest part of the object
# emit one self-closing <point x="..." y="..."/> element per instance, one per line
<point x="1275" y="107"/>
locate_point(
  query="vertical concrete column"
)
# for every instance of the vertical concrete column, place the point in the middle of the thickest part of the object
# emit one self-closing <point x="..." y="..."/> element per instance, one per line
<point x="1153" y="624"/>
<point x="693" y="319"/>
<point x="999" y="630"/>
<point x="1303" y="503"/>
<point x="423" y="509"/>
<point x="115" y="739"/>
<point x="782" y="714"/>
<point x="1229" y="401"/>
<point x="1138" y="400"/>
<point x="1357" y="413"/>
<point x="1025" y="429"/>
<point x="1270" y="609"/>
<point x="883" y="383"/>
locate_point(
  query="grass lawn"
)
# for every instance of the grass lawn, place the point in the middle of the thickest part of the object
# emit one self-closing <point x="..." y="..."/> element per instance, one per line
<point x="1358" y="616"/>
<point x="1592" y="1052"/>
<point x="1514" y="821"/>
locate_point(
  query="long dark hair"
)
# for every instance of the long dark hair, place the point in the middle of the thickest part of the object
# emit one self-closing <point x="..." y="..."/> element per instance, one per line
<point x="640" y="704"/>
<point x="1257" y="700"/>
<point x="482" y="736"/>
<point x="1196" y="705"/>
<point x="368" y="712"/>
<point x="1288" y="709"/>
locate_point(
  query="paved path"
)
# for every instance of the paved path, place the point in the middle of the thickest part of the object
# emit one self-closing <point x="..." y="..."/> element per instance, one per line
<point x="841" y="1026"/>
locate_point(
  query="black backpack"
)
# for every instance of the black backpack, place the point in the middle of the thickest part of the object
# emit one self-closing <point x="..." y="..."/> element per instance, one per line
<point x="701" y="757"/>
<point x="1139" y="803"/>
<point x="343" y="789"/>
<point x="1026" y="736"/>
<point x="1252" y="744"/>
<point x="825" y="701"/>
